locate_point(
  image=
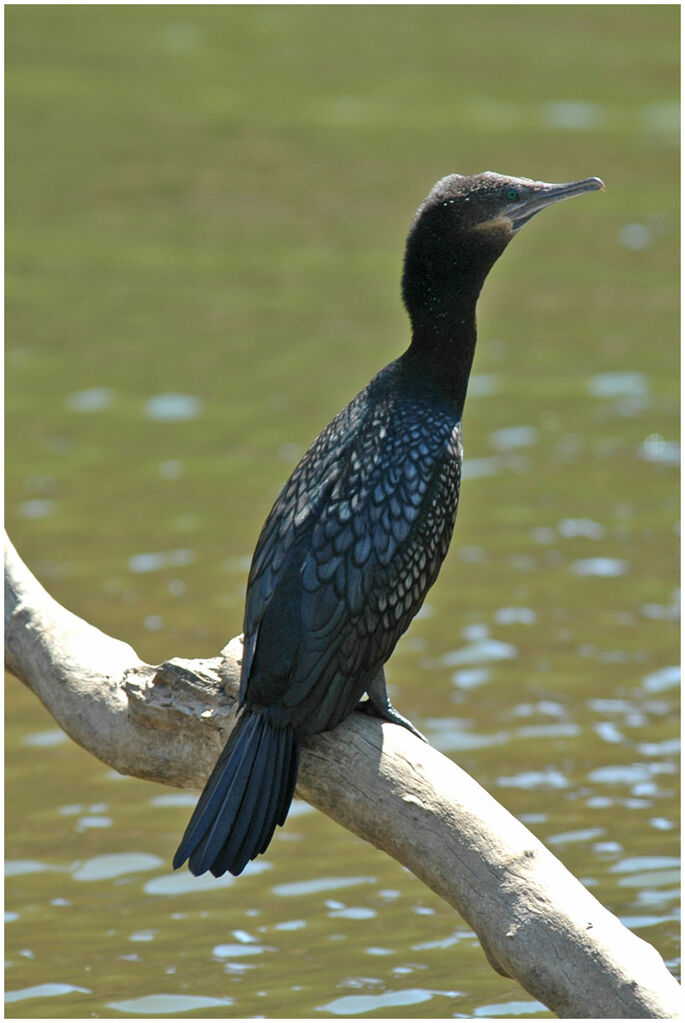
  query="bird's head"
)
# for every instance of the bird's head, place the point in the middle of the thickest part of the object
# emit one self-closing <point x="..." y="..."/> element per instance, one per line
<point x="461" y="228"/>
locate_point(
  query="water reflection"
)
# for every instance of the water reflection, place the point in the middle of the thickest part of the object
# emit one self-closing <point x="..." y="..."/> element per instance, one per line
<point x="515" y="616"/>
<point x="95" y="399"/>
<point x="290" y="925"/>
<point x="15" y="868"/>
<point x="475" y="467"/>
<point x="50" y="737"/>
<point x="174" y="799"/>
<point x="358" y="1005"/>
<point x="571" y="528"/>
<point x="172" y="408"/>
<point x="45" y="991"/>
<point x="483" y="385"/>
<point x="37" y="508"/>
<point x="514" y="437"/>
<point x="662" y="117"/>
<point x="239" y="951"/>
<point x="84" y="823"/>
<point x="167" y="1005"/>
<point x="583" y="835"/>
<point x="620" y="383"/>
<point x="511" y="1010"/>
<point x="635" y="236"/>
<point x="103" y="868"/>
<point x="662" y="679"/>
<point x="352" y="913"/>
<point x="315" y="885"/>
<point x="171" y="469"/>
<point x="480" y="649"/>
<point x="600" y="566"/>
<point x="153" y="562"/>
<point x="664" y="612"/>
<point x="185" y="884"/>
<point x="551" y="778"/>
<point x="573" y="115"/>
<point x="663" y="452"/>
<point x="471" y="678"/>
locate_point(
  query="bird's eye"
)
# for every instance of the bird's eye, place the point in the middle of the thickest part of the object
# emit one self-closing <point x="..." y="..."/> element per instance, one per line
<point x="512" y="194"/>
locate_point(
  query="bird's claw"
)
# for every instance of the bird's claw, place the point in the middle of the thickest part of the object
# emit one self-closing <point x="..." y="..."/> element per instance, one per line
<point x="388" y="713"/>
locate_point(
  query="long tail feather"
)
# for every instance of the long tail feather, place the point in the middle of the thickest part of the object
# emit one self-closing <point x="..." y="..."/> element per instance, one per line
<point x="239" y="845"/>
<point x="214" y="793"/>
<point x="257" y="805"/>
<point x="284" y="796"/>
<point x="247" y="794"/>
<point x="271" y="810"/>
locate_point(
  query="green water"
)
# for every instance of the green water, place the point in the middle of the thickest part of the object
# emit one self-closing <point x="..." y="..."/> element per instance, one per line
<point x="211" y="203"/>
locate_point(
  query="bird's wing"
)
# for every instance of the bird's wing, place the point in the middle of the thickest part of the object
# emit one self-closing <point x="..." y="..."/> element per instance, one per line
<point x="363" y="581"/>
<point x="285" y="534"/>
<point x="346" y="561"/>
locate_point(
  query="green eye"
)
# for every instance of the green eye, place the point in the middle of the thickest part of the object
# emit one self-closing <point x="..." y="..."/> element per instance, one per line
<point x="512" y="194"/>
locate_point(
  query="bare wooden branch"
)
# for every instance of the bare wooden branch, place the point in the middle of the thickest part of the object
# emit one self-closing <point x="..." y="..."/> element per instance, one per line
<point x="536" y="922"/>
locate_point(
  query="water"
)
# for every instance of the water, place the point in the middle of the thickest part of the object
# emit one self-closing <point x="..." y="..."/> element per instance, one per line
<point x="200" y="276"/>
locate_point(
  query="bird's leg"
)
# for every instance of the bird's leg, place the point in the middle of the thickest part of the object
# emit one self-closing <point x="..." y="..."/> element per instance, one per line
<point x="379" y="705"/>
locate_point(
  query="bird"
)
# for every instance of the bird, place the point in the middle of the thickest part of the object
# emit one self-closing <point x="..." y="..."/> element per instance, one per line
<point x="359" y="531"/>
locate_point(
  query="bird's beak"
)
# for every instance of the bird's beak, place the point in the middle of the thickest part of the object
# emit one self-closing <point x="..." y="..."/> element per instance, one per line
<point x="520" y="211"/>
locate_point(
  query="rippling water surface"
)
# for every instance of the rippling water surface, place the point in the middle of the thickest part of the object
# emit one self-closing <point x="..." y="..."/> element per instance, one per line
<point x="206" y="212"/>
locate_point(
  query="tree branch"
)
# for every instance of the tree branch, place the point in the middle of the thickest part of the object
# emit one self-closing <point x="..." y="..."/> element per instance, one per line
<point x="536" y="922"/>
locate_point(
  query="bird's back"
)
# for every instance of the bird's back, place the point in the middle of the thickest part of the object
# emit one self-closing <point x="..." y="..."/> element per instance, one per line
<point x="349" y="550"/>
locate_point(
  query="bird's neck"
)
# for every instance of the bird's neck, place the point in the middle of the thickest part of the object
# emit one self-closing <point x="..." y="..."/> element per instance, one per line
<point x="441" y="282"/>
<point x="443" y="345"/>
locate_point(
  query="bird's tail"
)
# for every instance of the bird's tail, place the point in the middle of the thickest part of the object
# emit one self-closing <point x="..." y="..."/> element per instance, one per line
<point x="247" y="794"/>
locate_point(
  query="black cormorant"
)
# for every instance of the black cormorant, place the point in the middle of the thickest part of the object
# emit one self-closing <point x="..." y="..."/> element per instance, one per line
<point x="357" y="536"/>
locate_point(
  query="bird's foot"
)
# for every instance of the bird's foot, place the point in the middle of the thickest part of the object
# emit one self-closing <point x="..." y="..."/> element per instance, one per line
<point x="387" y="712"/>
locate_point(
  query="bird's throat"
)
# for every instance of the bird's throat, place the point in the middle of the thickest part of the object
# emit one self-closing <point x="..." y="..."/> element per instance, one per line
<point x="443" y="346"/>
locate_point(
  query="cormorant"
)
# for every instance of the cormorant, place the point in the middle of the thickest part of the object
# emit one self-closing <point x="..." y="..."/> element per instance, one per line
<point x="359" y="531"/>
